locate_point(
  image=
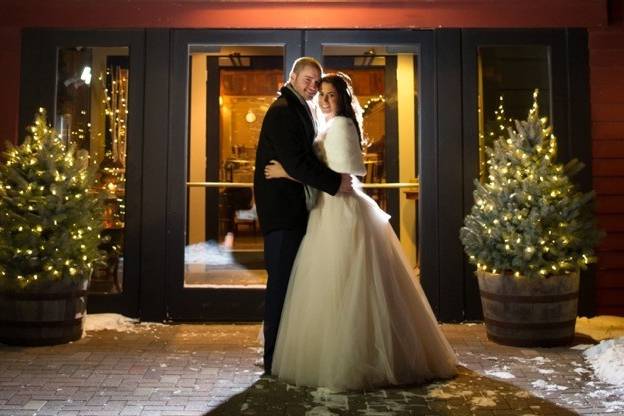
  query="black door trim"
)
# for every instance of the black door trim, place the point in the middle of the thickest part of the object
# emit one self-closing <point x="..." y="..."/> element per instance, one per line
<point x="38" y="89"/>
<point x="199" y="304"/>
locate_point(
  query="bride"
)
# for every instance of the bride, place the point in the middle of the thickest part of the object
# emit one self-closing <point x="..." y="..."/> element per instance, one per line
<point x="355" y="315"/>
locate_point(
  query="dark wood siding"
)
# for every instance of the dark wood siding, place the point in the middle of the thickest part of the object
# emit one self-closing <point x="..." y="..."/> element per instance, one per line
<point x="606" y="62"/>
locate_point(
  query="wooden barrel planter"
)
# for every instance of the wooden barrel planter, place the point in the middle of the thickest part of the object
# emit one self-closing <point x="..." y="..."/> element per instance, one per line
<point x="529" y="312"/>
<point x="49" y="316"/>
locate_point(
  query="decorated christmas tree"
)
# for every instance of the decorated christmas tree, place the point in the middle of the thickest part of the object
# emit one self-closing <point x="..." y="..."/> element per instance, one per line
<point x="49" y="219"/>
<point x="528" y="218"/>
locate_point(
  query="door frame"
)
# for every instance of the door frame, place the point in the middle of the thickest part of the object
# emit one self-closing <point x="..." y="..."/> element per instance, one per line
<point x="569" y="85"/>
<point x="421" y="43"/>
<point x="38" y="89"/>
<point x="221" y="304"/>
<point x="203" y="304"/>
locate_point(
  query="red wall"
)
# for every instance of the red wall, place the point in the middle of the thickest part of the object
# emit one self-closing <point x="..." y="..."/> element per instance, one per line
<point x="16" y="14"/>
<point x="605" y="23"/>
<point x="9" y="74"/>
<point x="606" y="49"/>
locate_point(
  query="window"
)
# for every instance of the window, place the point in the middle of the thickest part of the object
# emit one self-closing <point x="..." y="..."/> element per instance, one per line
<point x="92" y="113"/>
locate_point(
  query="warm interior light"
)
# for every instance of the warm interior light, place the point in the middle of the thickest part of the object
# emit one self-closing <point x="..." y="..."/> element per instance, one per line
<point x="250" y="117"/>
<point x="86" y="75"/>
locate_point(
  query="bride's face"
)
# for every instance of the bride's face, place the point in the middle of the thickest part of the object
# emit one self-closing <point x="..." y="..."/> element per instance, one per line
<point x="328" y="100"/>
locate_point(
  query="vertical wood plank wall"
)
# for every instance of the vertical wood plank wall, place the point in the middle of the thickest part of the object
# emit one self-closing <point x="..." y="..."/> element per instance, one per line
<point x="606" y="62"/>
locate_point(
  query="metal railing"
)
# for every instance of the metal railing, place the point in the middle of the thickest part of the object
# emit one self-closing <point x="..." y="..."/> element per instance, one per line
<point x="391" y="185"/>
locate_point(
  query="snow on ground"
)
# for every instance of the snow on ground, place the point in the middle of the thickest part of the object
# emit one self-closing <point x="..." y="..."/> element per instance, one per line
<point x="500" y="374"/>
<point x="607" y="360"/>
<point x="208" y="252"/>
<point x="541" y="384"/>
<point x="605" y="382"/>
<point x="114" y="322"/>
<point x="545" y="379"/>
<point x="109" y="321"/>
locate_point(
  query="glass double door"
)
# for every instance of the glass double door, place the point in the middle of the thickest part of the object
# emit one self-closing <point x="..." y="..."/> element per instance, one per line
<point x="223" y="82"/>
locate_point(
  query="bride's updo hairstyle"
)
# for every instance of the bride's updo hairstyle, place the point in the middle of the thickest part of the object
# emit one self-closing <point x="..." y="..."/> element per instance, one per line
<point x="346" y="101"/>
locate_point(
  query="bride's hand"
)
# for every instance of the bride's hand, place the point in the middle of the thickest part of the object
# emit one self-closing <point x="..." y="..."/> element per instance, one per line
<point x="274" y="170"/>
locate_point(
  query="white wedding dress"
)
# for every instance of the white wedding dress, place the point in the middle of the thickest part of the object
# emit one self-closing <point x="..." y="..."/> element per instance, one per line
<point x="355" y="315"/>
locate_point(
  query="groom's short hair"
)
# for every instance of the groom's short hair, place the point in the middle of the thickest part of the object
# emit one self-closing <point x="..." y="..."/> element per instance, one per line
<point x="304" y="61"/>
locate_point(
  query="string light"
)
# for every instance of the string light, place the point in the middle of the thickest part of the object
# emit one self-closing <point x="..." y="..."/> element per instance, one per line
<point x="26" y="221"/>
<point x="526" y="214"/>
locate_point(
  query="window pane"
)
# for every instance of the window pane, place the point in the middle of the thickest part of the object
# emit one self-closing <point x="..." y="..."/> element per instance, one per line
<point x="511" y="72"/>
<point x="231" y="89"/>
<point x="92" y="111"/>
<point x="385" y="81"/>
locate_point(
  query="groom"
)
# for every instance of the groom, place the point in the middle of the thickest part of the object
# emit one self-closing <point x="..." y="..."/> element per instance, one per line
<point x="287" y="133"/>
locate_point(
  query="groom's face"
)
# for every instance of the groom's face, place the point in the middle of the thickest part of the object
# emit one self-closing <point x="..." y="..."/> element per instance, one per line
<point x="306" y="82"/>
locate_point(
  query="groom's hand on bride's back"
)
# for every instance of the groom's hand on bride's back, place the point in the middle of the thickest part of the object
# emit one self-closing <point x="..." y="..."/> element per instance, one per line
<point x="346" y="187"/>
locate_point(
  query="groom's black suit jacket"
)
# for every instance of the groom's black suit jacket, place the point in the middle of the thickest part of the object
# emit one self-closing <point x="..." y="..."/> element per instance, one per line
<point x="287" y="134"/>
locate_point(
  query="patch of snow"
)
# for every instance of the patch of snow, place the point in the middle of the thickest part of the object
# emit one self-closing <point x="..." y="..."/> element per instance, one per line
<point x="607" y="360"/>
<point x="116" y="322"/>
<point x="599" y="394"/>
<point x="581" y="347"/>
<point x="109" y="321"/>
<point x="533" y="361"/>
<point x="601" y="327"/>
<point x="541" y="384"/>
<point x="208" y="252"/>
<point x="540" y="360"/>
<point x="500" y="374"/>
<point x="328" y="398"/>
<point x="545" y="371"/>
<point x="613" y="405"/>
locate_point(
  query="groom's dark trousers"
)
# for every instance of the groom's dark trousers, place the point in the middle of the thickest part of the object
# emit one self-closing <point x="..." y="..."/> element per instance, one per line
<point x="280" y="250"/>
<point x="286" y="135"/>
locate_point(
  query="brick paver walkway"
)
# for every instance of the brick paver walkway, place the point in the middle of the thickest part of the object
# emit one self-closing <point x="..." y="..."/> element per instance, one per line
<point x="194" y="370"/>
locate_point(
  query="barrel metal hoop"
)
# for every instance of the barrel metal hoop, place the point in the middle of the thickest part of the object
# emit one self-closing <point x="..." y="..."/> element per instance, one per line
<point x="537" y="342"/>
<point x="43" y="296"/>
<point x="41" y="324"/>
<point x="530" y="325"/>
<point x="529" y="299"/>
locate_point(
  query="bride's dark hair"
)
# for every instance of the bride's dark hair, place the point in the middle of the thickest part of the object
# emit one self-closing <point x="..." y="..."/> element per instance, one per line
<point x="346" y="101"/>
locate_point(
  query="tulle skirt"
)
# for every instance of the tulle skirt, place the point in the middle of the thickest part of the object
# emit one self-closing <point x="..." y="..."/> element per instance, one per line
<point x="355" y="315"/>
